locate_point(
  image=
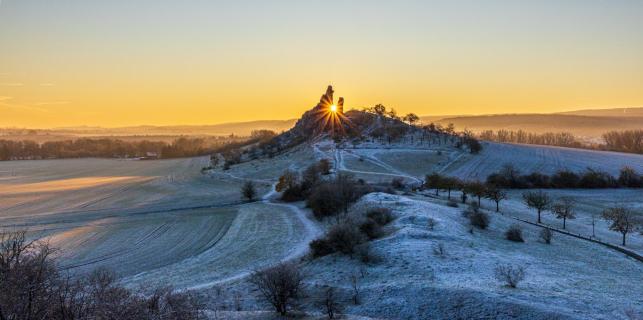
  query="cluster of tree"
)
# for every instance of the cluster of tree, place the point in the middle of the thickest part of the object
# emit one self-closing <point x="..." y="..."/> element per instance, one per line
<point x="394" y="127"/>
<point x="621" y="219"/>
<point x="624" y="141"/>
<point x="510" y="177"/>
<point x="115" y="148"/>
<point x="476" y="189"/>
<point x="630" y="141"/>
<point x="349" y="235"/>
<point x="31" y="287"/>
<point x="296" y="187"/>
<point x="561" y="139"/>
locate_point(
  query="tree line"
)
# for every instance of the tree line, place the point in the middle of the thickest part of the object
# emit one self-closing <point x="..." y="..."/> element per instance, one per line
<point x="115" y="148"/>
<point x="510" y="177"/>
<point x="630" y="141"/>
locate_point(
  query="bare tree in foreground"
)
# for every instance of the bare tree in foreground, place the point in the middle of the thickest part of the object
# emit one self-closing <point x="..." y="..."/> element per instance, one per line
<point x="280" y="285"/>
<point x="537" y="200"/>
<point x="32" y="288"/>
<point x="622" y="220"/>
<point x="564" y="209"/>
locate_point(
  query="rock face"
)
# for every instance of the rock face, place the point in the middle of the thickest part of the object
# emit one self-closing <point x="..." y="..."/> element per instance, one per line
<point x="321" y="119"/>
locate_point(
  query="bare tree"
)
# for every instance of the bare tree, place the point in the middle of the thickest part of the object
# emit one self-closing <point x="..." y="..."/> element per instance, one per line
<point x="434" y="181"/>
<point x="356" y="288"/>
<point x="496" y="195"/>
<point x="622" y="220"/>
<point x="477" y="189"/>
<point x="510" y="275"/>
<point x="248" y="190"/>
<point x="27" y="277"/>
<point x="280" y="285"/>
<point x="564" y="209"/>
<point x="538" y="200"/>
<point x="330" y="303"/>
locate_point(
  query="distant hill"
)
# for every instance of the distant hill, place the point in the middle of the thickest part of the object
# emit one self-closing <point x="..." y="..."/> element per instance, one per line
<point x="236" y="128"/>
<point x="587" y="124"/>
<point x="617" y="112"/>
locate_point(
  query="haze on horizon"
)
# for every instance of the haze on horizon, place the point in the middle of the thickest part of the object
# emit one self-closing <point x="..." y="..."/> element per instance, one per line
<point x="161" y="62"/>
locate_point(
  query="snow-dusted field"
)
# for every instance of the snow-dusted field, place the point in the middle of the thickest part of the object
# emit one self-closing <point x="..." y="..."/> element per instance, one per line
<point x="544" y="159"/>
<point x="152" y="222"/>
<point x="160" y="223"/>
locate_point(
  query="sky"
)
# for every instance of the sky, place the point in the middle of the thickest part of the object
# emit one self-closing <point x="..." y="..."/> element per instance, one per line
<point x="161" y="62"/>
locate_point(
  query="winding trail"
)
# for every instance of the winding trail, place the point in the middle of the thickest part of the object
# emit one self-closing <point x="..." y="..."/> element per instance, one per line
<point x="298" y="251"/>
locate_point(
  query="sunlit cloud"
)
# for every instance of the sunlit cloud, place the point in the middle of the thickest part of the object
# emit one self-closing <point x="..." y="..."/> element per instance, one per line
<point x="47" y="84"/>
<point x="11" y="84"/>
<point x="6" y="104"/>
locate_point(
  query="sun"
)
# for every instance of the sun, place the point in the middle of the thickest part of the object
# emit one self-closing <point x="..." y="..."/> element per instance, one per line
<point x="333" y="108"/>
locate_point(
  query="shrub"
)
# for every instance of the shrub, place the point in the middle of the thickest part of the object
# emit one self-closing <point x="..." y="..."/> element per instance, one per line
<point x="431" y="223"/>
<point x="380" y="215"/>
<point x="371" y="229"/>
<point x="294" y="193"/>
<point x="397" y="183"/>
<point x="345" y="237"/>
<point x="336" y="196"/>
<point x="324" y="166"/>
<point x="596" y="179"/>
<point x="510" y="275"/>
<point x="514" y="233"/>
<point x="321" y="247"/>
<point x="479" y="219"/>
<point x="564" y="179"/>
<point x="439" y="250"/>
<point x="546" y="235"/>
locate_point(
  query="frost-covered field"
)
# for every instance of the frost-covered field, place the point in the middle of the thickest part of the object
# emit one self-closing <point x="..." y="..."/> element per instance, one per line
<point x="159" y="223"/>
<point x="152" y="222"/>
<point x="568" y="279"/>
<point x="544" y="159"/>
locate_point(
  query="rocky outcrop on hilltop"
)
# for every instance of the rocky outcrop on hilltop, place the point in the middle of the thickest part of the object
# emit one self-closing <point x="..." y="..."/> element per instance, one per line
<point x="325" y="117"/>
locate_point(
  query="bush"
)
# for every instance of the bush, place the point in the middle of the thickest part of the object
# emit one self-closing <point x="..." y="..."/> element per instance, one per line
<point x="294" y="193"/>
<point x="479" y="219"/>
<point x="514" y="233"/>
<point x="345" y="237"/>
<point x="397" y="183"/>
<point x="431" y="223"/>
<point x="335" y="196"/>
<point x="320" y="248"/>
<point x="510" y="275"/>
<point x="380" y="215"/>
<point x="546" y="235"/>
<point x="371" y="229"/>
<point x="439" y="250"/>
<point x="565" y="179"/>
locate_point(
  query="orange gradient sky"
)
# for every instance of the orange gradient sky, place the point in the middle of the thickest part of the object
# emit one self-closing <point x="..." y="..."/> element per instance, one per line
<point x="161" y="62"/>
